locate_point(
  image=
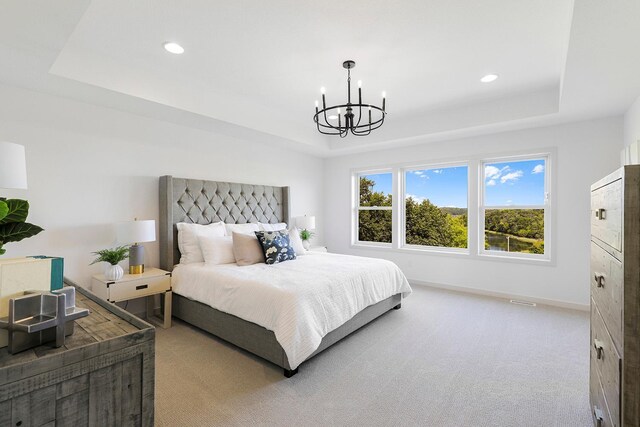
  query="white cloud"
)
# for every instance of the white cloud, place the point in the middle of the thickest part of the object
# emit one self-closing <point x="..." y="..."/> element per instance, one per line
<point x="511" y="176"/>
<point x="491" y="183"/>
<point x="438" y="171"/>
<point x="491" y="172"/>
<point x="417" y="199"/>
<point x="509" y="202"/>
<point x="538" y="169"/>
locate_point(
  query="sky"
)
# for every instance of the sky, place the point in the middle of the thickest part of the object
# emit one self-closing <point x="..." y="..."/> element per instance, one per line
<point x="442" y="186"/>
<point x="514" y="183"/>
<point x="506" y="183"/>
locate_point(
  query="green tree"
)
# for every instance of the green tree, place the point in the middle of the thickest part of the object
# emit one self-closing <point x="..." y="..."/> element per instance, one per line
<point x="374" y="225"/>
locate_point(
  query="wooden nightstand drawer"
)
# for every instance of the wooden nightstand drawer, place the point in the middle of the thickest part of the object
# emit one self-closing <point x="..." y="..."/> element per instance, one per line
<point x="122" y="291"/>
<point x="152" y="282"/>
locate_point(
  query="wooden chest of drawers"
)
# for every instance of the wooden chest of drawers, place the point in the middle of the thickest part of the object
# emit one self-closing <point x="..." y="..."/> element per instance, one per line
<point x="615" y="299"/>
<point x="102" y="376"/>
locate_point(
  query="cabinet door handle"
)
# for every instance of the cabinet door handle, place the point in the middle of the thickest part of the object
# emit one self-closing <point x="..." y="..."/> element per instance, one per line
<point x="140" y="287"/>
<point x="599" y="416"/>
<point x="599" y="279"/>
<point x="599" y="346"/>
<point x="600" y="213"/>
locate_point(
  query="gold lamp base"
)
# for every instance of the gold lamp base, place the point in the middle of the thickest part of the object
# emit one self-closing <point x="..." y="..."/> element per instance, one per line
<point x="136" y="269"/>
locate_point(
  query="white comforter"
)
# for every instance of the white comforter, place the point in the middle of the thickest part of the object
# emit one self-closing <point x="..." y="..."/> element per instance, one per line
<point x="301" y="301"/>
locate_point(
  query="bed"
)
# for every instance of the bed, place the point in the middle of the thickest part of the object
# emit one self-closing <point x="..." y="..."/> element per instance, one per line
<point x="198" y="296"/>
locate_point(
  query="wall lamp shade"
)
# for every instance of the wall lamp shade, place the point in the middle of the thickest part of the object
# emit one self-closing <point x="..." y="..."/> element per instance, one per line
<point x="13" y="166"/>
<point x="136" y="232"/>
<point x="306" y="222"/>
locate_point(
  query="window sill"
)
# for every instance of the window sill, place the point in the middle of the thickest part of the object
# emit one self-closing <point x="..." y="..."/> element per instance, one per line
<point x="458" y="254"/>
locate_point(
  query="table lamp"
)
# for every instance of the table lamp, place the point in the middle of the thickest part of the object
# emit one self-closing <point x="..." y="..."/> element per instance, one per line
<point x="305" y="224"/>
<point x="13" y="166"/>
<point x="136" y="232"/>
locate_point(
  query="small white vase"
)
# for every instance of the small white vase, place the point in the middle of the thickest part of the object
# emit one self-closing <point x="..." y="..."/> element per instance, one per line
<point x="306" y="244"/>
<point x="113" y="272"/>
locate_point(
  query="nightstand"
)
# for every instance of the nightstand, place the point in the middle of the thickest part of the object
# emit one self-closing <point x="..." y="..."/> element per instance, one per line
<point x="318" y="249"/>
<point x="153" y="281"/>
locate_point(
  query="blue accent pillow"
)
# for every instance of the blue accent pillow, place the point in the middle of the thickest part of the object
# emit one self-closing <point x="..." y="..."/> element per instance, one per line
<point x="275" y="246"/>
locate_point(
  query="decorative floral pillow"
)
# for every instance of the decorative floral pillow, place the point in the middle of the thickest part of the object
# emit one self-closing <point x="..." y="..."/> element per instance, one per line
<point x="276" y="246"/>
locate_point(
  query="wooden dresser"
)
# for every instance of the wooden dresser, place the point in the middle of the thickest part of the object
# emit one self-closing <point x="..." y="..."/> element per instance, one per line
<point x="102" y="376"/>
<point x="615" y="299"/>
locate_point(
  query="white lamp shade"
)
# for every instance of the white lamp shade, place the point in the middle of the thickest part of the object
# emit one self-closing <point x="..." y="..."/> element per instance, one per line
<point x="306" y="222"/>
<point x="13" y="166"/>
<point x="136" y="231"/>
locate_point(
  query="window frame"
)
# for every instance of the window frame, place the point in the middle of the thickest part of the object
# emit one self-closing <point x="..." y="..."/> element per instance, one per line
<point x="356" y="208"/>
<point x="546" y="207"/>
<point x="403" y="207"/>
<point x="475" y="200"/>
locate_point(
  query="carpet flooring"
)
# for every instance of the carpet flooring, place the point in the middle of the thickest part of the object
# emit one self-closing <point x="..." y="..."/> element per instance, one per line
<point x="444" y="359"/>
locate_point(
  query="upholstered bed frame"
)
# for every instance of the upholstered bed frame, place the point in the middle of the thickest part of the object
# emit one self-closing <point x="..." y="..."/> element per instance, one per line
<point x="205" y="202"/>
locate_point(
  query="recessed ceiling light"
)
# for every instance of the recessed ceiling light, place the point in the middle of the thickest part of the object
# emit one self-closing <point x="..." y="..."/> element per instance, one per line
<point x="173" y="48"/>
<point x="489" y="78"/>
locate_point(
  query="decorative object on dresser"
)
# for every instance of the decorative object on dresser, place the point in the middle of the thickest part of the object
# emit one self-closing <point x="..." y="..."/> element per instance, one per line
<point x="615" y="299"/>
<point x="306" y="224"/>
<point x="14" y="212"/>
<point x="152" y="282"/>
<point x="112" y="257"/>
<point x="32" y="274"/>
<point x="37" y="318"/>
<point x="103" y="375"/>
<point x="136" y="232"/>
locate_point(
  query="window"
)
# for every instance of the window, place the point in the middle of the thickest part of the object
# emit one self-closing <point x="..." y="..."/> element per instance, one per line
<point x="436" y="206"/>
<point x="515" y="206"/>
<point x="374" y="210"/>
<point x="474" y="207"/>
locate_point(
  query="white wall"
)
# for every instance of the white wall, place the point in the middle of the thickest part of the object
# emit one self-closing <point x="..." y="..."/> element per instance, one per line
<point x="632" y="123"/>
<point x="586" y="151"/>
<point x="89" y="167"/>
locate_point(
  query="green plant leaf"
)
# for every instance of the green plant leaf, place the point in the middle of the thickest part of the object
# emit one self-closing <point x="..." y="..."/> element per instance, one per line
<point x="18" y="211"/>
<point x="16" y="231"/>
<point x="4" y="209"/>
<point x="2" y="251"/>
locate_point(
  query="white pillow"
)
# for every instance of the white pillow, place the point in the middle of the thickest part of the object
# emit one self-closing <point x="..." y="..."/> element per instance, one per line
<point x="217" y="249"/>
<point x="188" y="239"/>
<point x="272" y="227"/>
<point x="247" y="249"/>
<point x="248" y="228"/>
<point x="296" y="242"/>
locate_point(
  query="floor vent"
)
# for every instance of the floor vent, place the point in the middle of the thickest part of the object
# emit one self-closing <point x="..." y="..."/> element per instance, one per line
<point x="527" y="303"/>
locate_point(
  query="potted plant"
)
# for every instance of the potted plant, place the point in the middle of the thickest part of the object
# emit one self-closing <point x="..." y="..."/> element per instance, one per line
<point x="13" y="228"/>
<point x="306" y="236"/>
<point x="112" y="257"/>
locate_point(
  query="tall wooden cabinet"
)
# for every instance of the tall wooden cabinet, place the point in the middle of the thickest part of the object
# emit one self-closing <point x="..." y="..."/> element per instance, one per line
<point x="615" y="299"/>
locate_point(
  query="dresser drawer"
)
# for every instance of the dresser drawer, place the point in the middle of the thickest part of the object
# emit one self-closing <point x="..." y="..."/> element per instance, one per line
<point x="606" y="360"/>
<point x="606" y="290"/>
<point x="122" y="291"/>
<point x="599" y="410"/>
<point x="606" y="214"/>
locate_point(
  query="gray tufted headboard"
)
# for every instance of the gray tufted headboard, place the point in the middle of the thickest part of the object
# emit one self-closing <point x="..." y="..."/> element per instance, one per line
<point x="205" y="202"/>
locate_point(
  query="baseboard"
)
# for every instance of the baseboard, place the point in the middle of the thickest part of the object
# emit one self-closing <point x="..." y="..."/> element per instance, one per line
<point x="503" y="295"/>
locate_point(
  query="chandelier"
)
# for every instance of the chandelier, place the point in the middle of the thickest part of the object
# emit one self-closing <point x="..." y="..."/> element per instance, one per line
<point x="359" y="119"/>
